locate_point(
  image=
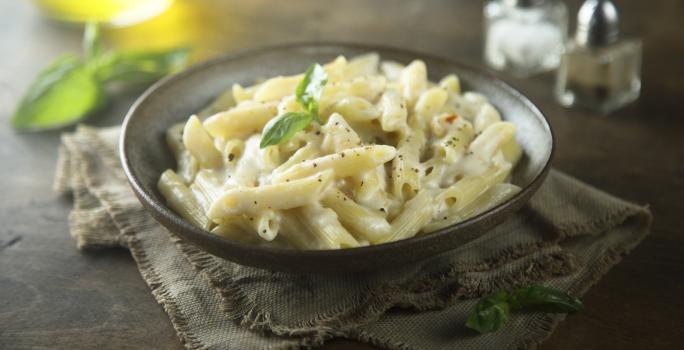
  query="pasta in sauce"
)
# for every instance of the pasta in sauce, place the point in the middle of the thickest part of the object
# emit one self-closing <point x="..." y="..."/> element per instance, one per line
<point x="395" y="155"/>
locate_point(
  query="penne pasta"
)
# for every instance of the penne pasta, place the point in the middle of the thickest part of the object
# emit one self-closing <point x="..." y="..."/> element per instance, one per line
<point x="323" y="223"/>
<point x="286" y="195"/>
<point x="417" y="213"/>
<point x="343" y="164"/>
<point x="181" y="199"/>
<point x="362" y="152"/>
<point x="243" y="120"/>
<point x="365" y="223"/>
<point x="198" y="142"/>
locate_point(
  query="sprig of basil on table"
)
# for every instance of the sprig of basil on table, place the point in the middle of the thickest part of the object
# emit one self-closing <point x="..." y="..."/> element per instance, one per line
<point x="493" y="310"/>
<point x="72" y="87"/>
<point x="308" y="94"/>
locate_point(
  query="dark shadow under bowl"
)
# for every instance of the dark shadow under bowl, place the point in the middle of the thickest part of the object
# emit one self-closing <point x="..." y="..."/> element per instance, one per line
<point x="145" y="156"/>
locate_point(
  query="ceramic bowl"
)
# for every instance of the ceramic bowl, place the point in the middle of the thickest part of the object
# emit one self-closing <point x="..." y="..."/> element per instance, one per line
<point x="145" y="156"/>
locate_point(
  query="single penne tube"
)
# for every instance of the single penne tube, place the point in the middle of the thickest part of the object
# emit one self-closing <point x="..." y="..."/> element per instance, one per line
<point x="245" y="172"/>
<point x="298" y="235"/>
<point x="186" y="165"/>
<point x="491" y="198"/>
<point x="277" y="88"/>
<point x="368" y="185"/>
<point x="241" y="121"/>
<point x="285" y="195"/>
<point x="233" y="151"/>
<point x="451" y="83"/>
<point x="207" y="187"/>
<point x="181" y="199"/>
<point x="270" y="158"/>
<point x="368" y="87"/>
<point x="324" y="223"/>
<point x="289" y="104"/>
<point x="429" y="103"/>
<point x="394" y="112"/>
<point x="447" y="121"/>
<point x="345" y="163"/>
<point x="354" y="109"/>
<point x="266" y="223"/>
<point x="338" y="135"/>
<point x="309" y="151"/>
<point x="495" y="196"/>
<point x="200" y="144"/>
<point x="414" y="81"/>
<point x="392" y="70"/>
<point x="236" y="232"/>
<point x="363" y="222"/>
<point x="336" y="69"/>
<point x="512" y="151"/>
<point x="433" y="173"/>
<point x="416" y="213"/>
<point x="174" y="139"/>
<point x="452" y="146"/>
<point x="406" y="170"/>
<point x="442" y="220"/>
<point x="470" y="103"/>
<point x="244" y="233"/>
<point x="310" y="136"/>
<point x="362" y="65"/>
<point x="492" y="139"/>
<point x="241" y="94"/>
<point x="469" y="188"/>
<point x="486" y="116"/>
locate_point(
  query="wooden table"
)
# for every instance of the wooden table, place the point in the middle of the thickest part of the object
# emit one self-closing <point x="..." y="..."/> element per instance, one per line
<point x="53" y="296"/>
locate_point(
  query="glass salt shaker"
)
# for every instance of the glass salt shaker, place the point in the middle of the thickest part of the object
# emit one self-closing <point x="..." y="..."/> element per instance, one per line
<point x="599" y="70"/>
<point x="525" y="37"/>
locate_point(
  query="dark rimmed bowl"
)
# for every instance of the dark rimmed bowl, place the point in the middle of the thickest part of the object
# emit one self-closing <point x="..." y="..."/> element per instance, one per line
<point x="145" y="156"/>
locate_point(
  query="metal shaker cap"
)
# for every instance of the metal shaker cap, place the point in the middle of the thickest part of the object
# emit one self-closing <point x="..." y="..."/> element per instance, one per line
<point x="524" y="3"/>
<point x="597" y="24"/>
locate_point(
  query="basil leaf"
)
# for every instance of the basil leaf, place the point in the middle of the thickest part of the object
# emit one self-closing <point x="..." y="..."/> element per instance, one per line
<point x="283" y="127"/>
<point x="490" y="313"/>
<point x="310" y="89"/>
<point x="63" y="93"/>
<point x="92" y="43"/>
<point x="545" y="299"/>
<point x="141" y="66"/>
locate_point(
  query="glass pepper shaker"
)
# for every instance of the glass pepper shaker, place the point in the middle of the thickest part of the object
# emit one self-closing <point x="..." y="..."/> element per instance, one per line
<point x="599" y="70"/>
<point x="524" y="37"/>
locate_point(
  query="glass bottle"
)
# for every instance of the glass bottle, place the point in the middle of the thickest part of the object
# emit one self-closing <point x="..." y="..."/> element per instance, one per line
<point x="599" y="71"/>
<point x="524" y="37"/>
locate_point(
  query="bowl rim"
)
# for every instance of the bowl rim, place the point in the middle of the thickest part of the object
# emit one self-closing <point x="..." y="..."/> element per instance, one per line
<point x="161" y="209"/>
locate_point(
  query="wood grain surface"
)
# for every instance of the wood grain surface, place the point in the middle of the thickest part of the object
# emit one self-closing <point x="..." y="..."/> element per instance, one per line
<point x="53" y="296"/>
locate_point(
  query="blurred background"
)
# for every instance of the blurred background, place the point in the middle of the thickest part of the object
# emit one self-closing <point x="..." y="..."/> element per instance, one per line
<point x="636" y="153"/>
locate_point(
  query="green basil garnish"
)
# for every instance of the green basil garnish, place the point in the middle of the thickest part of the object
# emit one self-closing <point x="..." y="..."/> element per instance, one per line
<point x="493" y="310"/>
<point x="310" y="89"/>
<point x="490" y="313"/>
<point x="540" y="298"/>
<point x="141" y="66"/>
<point x="62" y="94"/>
<point x="308" y="94"/>
<point x="72" y="87"/>
<point x="284" y="126"/>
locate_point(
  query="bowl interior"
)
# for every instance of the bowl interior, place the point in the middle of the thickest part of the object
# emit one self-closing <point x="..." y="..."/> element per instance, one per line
<point x="145" y="155"/>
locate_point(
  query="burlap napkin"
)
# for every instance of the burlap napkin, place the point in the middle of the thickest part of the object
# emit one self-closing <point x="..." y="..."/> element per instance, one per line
<point x="567" y="237"/>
